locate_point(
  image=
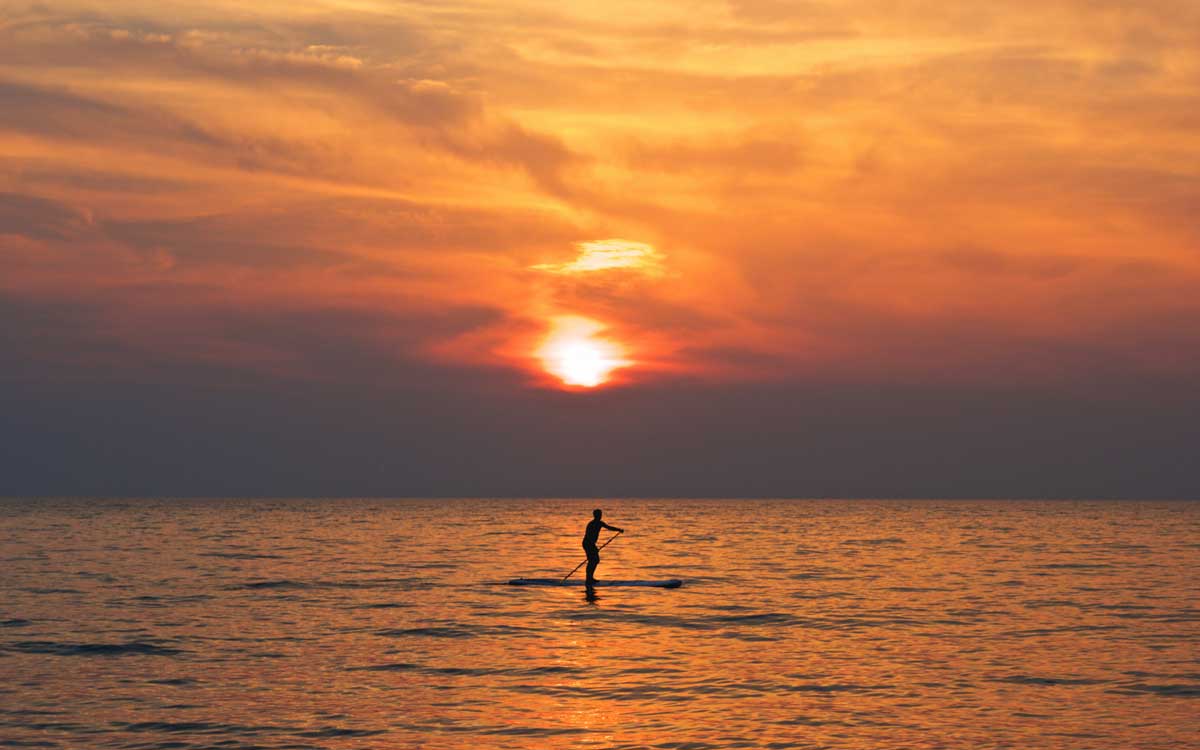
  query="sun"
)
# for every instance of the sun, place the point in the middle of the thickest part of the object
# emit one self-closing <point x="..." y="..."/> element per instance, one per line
<point x="574" y="353"/>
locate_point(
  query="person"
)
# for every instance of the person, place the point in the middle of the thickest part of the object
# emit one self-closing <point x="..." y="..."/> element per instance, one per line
<point x="590" y="535"/>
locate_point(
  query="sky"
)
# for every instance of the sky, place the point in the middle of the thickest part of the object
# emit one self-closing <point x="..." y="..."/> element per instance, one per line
<point x="833" y="248"/>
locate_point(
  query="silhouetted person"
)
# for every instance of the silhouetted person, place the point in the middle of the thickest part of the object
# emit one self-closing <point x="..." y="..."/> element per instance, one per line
<point x="589" y="543"/>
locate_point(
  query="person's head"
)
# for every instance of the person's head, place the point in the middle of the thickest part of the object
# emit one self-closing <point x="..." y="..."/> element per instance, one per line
<point x="597" y="513"/>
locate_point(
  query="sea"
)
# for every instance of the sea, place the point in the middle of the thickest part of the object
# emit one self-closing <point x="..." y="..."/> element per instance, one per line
<point x="368" y="623"/>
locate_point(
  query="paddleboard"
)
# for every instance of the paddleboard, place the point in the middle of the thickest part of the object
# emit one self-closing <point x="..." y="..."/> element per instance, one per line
<point x="670" y="583"/>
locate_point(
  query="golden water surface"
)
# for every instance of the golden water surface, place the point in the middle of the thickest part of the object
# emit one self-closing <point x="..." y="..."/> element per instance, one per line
<point x="801" y="624"/>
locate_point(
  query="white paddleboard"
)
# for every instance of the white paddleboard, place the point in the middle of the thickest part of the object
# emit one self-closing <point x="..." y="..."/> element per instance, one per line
<point x="670" y="583"/>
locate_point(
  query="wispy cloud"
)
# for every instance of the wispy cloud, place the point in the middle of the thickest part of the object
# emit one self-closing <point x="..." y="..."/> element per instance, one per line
<point x="610" y="255"/>
<point x="790" y="190"/>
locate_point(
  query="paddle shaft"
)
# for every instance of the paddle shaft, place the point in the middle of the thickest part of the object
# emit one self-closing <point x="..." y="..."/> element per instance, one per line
<point x="602" y="546"/>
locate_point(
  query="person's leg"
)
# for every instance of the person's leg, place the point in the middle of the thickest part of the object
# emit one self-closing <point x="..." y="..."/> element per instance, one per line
<point x="593" y="561"/>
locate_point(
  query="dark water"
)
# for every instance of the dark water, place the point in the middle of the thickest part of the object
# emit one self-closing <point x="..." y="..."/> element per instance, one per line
<point x="807" y="624"/>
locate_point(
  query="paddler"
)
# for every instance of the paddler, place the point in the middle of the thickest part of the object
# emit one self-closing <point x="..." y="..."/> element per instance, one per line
<point x="589" y="543"/>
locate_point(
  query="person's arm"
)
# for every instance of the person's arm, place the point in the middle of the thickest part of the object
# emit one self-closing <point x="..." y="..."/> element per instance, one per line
<point x="612" y="528"/>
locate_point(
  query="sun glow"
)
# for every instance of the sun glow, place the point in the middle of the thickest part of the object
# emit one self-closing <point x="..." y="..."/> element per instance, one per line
<point x="575" y="354"/>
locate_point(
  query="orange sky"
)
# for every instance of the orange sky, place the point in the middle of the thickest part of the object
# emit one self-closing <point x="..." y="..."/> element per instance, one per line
<point x="907" y="191"/>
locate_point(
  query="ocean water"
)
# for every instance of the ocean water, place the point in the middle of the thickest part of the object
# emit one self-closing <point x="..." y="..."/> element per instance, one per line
<point x="801" y="624"/>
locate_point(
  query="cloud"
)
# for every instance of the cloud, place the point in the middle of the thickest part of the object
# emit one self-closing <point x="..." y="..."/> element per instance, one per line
<point x="821" y="207"/>
<point x="39" y="218"/>
<point x="749" y="153"/>
<point x="610" y="255"/>
<point x="356" y="103"/>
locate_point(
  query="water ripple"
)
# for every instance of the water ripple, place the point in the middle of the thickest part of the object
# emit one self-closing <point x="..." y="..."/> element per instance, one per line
<point x="131" y="648"/>
<point x="323" y="624"/>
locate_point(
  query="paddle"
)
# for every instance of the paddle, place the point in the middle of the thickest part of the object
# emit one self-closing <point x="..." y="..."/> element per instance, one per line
<point x="602" y="546"/>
